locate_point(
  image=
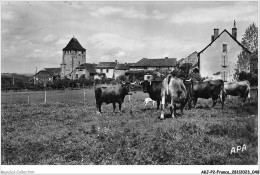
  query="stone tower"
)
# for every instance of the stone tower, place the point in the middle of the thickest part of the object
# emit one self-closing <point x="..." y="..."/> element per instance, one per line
<point x="73" y="56"/>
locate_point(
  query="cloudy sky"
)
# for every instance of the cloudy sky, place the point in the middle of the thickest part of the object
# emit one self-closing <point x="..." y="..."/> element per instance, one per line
<point x="33" y="34"/>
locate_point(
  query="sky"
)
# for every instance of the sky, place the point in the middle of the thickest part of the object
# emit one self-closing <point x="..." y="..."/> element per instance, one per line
<point x="33" y="33"/>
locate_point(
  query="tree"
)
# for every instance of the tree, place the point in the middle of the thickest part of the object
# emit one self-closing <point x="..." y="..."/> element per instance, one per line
<point x="250" y="41"/>
<point x="250" y="38"/>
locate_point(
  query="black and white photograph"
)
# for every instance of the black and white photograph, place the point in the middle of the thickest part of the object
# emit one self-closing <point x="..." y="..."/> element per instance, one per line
<point x="94" y="83"/>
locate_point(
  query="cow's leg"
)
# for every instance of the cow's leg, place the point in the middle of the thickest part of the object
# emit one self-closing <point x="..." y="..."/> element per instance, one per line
<point x="162" y="107"/>
<point x="114" y="106"/>
<point x="174" y="110"/>
<point x="171" y="109"/>
<point x="120" y="105"/>
<point x="158" y="104"/>
<point x="98" y="105"/>
<point x="214" y="101"/>
<point x="195" y="101"/>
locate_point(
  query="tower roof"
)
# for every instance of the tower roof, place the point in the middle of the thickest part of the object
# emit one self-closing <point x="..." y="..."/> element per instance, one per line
<point x="74" y="45"/>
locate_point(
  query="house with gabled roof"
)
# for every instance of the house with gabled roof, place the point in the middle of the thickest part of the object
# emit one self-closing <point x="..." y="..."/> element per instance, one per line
<point x="73" y="56"/>
<point x="107" y="68"/>
<point x="120" y="69"/>
<point x="87" y="70"/>
<point x="219" y="59"/>
<point x="161" y="64"/>
<point x="47" y="75"/>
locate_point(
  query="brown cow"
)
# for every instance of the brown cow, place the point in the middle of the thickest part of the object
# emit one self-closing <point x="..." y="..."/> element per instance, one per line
<point x="241" y="89"/>
<point x="111" y="94"/>
<point x="209" y="89"/>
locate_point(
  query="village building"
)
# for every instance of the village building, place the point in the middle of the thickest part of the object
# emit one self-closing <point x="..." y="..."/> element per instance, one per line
<point x="219" y="59"/>
<point x="107" y="68"/>
<point x="162" y="64"/>
<point x="73" y="56"/>
<point x="192" y="58"/>
<point x="47" y="75"/>
<point x="87" y="70"/>
<point x="120" y="69"/>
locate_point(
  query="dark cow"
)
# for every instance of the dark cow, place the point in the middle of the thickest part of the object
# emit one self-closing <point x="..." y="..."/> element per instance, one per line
<point x="190" y="94"/>
<point x="173" y="91"/>
<point x="241" y="89"/>
<point x="209" y="89"/>
<point x="153" y="88"/>
<point x="111" y="94"/>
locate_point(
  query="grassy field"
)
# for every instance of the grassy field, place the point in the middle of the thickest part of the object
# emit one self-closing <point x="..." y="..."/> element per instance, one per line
<point x="67" y="131"/>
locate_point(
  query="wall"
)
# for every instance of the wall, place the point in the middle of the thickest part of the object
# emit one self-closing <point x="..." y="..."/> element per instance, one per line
<point x="193" y="58"/>
<point x="81" y="72"/>
<point x="44" y="77"/>
<point x="119" y="72"/>
<point x="71" y="60"/>
<point x="109" y="74"/>
<point x="211" y="59"/>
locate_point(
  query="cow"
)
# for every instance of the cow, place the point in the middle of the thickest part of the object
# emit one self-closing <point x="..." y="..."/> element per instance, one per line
<point x="153" y="88"/>
<point x="147" y="100"/>
<point x="190" y="94"/>
<point x="209" y="89"/>
<point x="111" y="94"/>
<point x="173" y="91"/>
<point x="241" y="89"/>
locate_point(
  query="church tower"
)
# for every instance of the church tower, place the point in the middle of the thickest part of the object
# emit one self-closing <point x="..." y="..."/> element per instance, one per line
<point x="73" y="56"/>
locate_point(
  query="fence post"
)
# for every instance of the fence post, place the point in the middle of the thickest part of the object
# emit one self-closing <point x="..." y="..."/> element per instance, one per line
<point x="84" y="96"/>
<point x="45" y="97"/>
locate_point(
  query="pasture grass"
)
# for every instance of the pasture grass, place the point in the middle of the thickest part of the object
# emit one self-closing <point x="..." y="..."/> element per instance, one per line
<point x="66" y="131"/>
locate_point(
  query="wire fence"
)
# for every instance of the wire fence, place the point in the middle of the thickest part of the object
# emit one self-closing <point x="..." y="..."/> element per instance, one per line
<point x="38" y="97"/>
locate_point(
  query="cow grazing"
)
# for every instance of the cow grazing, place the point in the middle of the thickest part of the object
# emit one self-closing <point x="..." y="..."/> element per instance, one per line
<point x="190" y="94"/>
<point x="111" y="94"/>
<point x="173" y="91"/>
<point x="147" y="100"/>
<point x="209" y="89"/>
<point x="153" y="88"/>
<point x="241" y="89"/>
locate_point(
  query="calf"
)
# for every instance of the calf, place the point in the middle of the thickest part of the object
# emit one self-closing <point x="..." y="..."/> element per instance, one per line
<point x="147" y="100"/>
<point x="241" y="89"/>
<point x="111" y="94"/>
<point x="209" y="89"/>
<point x="153" y="88"/>
<point x="173" y="91"/>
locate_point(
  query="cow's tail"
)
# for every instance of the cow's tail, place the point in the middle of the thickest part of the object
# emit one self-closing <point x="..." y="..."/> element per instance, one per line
<point x="222" y="93"/>
<point x="168" y="79"/>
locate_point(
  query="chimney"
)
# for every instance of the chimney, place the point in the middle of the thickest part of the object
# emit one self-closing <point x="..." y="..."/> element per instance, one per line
<point x="215" y="33"/>
<point x="116" y="61"/>
<point x="234" y="30"/>
<point x="212" y="38"/>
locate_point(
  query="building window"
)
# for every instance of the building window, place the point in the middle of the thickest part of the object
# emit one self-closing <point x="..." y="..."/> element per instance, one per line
<point x="77" y="75"/>
<point x="224" y="75"/>
<point x="107" y="70"/>
<point x="224" y="61"/>
<point x="224" y="47"/>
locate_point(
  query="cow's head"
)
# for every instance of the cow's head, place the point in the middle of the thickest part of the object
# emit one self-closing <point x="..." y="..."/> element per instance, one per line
<point x="126" y="88"/>
<point x="146" y="85"/>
